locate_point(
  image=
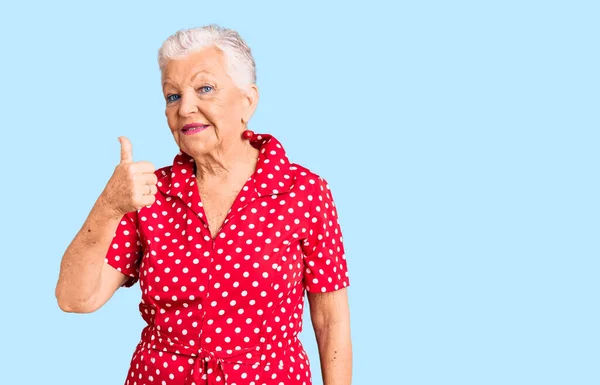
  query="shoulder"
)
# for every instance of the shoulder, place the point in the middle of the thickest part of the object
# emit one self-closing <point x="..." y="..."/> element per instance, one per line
<point x="308" y="180"/>
<point x="304" y="175"/>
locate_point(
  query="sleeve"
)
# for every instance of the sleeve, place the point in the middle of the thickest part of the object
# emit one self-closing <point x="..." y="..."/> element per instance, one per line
<point x="125" y="250"/>
<point x="325" y="266"/>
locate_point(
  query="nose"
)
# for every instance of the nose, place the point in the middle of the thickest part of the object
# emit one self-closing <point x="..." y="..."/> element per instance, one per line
<point x="189" y="105"/>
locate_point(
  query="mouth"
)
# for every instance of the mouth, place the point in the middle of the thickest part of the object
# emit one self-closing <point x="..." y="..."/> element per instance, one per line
<point x="194" y="128"/>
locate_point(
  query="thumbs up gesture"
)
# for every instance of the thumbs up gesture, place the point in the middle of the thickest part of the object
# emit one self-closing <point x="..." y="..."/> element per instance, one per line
<point x="132" y="185"/>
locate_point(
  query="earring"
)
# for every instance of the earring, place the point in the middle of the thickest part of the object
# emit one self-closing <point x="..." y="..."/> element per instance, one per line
<point x="247" y="134"/>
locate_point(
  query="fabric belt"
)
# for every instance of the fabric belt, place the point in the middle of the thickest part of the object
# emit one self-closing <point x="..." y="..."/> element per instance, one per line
<point x="207" y="368"/>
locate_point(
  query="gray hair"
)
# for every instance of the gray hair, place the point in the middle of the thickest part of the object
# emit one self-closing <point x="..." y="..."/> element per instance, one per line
<point x="240" y="63"/>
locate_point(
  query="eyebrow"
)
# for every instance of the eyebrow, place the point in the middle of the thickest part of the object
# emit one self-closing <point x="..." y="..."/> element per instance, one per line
<point x="202" y="72"/>
<point x="167" y="80"/>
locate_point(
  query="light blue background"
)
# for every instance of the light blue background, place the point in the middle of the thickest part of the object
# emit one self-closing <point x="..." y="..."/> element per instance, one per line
<point x="460" y="140"/>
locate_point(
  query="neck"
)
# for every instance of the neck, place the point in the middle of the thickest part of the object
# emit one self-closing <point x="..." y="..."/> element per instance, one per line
<point x="237" y="160"/>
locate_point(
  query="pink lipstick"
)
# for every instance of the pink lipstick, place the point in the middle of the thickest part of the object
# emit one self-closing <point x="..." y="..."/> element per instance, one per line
<point x="194" y="128"/>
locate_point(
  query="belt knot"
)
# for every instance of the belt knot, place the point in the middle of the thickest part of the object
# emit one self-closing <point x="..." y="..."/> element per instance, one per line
<point x="207" y="369"/>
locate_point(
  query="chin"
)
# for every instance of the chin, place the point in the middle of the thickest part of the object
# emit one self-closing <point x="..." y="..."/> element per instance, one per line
<point x="196" y="149"/>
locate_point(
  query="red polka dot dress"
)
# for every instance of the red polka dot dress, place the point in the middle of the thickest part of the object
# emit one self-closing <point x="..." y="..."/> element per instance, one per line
<point x="229" y="310"/>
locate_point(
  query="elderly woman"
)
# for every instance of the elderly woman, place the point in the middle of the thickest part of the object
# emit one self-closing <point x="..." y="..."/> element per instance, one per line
<point x="224" y="242"/>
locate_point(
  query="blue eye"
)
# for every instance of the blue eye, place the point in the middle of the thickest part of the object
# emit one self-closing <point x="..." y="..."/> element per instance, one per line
<point x="205" y="89"/>
<point x="171" y="98"/>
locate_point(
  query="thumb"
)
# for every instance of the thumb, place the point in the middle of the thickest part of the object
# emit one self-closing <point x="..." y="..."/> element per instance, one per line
<point x="126" y="153"/>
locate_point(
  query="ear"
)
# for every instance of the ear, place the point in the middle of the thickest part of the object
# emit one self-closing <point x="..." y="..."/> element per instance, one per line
<point x="251" y="97"/>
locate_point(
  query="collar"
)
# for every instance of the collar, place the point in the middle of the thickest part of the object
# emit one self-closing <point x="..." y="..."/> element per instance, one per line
<point x="273" y="175"/>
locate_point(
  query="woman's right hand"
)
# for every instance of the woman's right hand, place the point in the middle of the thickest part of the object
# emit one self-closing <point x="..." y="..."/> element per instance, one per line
<point x="85" y="283"/>
<point x="132" y="185"/>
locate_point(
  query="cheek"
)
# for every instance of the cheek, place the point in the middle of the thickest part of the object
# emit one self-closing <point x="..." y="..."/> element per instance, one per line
<point x="171" y="115"/>
<point x="176" y="137"/>
<point x="214" y="112"/>
<point x="172" y="123"/>
<point x="224" y="110"/>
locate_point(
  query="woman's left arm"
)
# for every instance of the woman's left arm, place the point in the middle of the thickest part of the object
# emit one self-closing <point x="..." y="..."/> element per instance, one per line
<point x="330" y="316"/>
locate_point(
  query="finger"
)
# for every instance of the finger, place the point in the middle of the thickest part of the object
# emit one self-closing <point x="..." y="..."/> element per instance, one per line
<point x="144" y="167"/>
<point x="148" y="200"/>
<point x="126" y="151"/>
<point x="146" y="179"/>
<point x="153" y="189"/>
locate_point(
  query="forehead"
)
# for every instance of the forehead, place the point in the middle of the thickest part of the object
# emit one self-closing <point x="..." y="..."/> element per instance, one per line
<point x="209" y="60"/>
